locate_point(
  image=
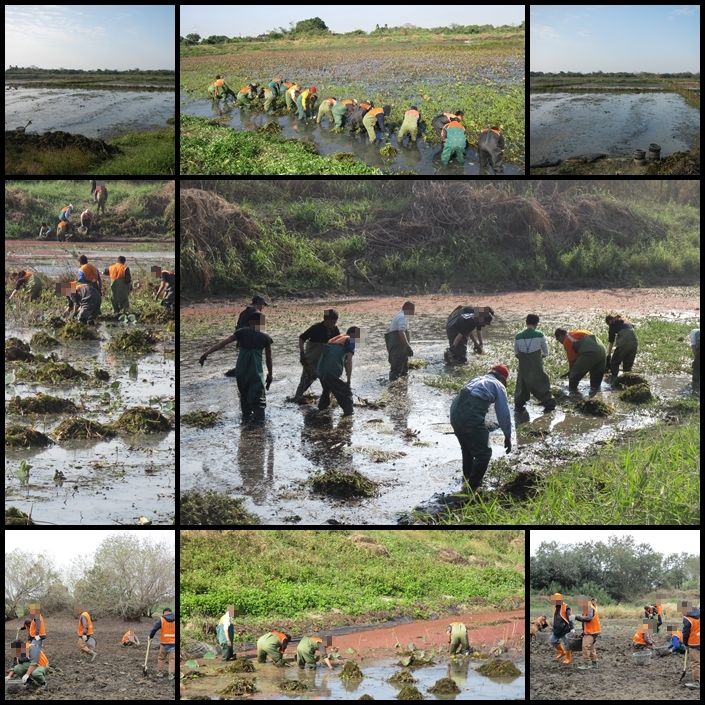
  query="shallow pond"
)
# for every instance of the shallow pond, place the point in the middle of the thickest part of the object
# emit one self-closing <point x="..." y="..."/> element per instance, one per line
<point x="569" y="124"/>
<point x="325" y="685"/>
<point x="268" y="466"/>
<point x="105" y="482"/>
<point x="93" y="113"/>
<point x="422" y="158"/>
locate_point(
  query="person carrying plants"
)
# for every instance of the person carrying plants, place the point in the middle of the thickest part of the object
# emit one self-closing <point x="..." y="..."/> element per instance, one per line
<point x="490" y="147"/>
<point x="248" y="370"/>
<point x="691" y="638"/>
<point x="695" y="347"/>
<point x="591" y="630"/>
<point x="166" y="624"/>
<point x="120" y="285"/>
<point x="458" y="638"/>
<point x="29" y="281"/>
<point x="326" y="109"/>
<point x="305" y="103"/>
<point x="454" y="141"/>
<point x="375" y="116"/>
<point x="530" y="347"/>
<point x="338" y="354"/>
<point x="225" y="632"/>
<point x="342" y="110"/>
<point x="306" y="652"/>
<point x="467" y="416"/>
<point x="397" y="342"/>
<point x="444" y="118"/>
<point x="31" y="662"/>
<point x="460" y="326"/>
<point x="621" y="330"/>
<point x="311" y="343"/>
<point x="410" y="126"/>
<point x="562" y="626"/>
<point x="292" y="93"/>
<point x="586" y="355"/>
<point x="247" y="94"/>
<point x="272" y="644"/>
<point x="86" y="640"/>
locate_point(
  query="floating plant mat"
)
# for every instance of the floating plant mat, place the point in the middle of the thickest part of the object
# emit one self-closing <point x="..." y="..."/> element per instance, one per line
<point x="343" y="484"/>
<point x="210" y="508"/>
<point x="133" y="341"/>
<point x="43" y="340"/>
<point x="410" y="692"/>
<point x="41" y="404"/>
<point x="404" y="676"/>
<point x="23" y="437"/>
<point x="141" y="419"/>
<point x="77" y="331"/>
<point x="499" y="668"/>
<point x="240" y="686"/>
<point x="239" y="665"/>
<point x="15" y="516"/>
<point x="16" y="349"/>
<point x="54" y="372"/>
<point x="595" y="407"/>
<point x="200" y="418"/>
<point x="352" y="671"/>
<point x="638" y="394"/>
<point x="81" y="428"/>
<point x="445" y="686"/>
<point x="292" y="686"/>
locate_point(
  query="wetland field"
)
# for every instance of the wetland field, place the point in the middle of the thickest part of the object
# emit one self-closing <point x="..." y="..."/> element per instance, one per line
<point x="483" y="78"/>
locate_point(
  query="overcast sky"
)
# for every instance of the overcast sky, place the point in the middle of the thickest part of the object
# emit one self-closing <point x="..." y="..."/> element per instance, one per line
<point x="612" y="38"/>
<point x="252" y="20"/>
<point x="64" y="546"/>
<point x="90" y="36"/>
<point x="664" y="542"/>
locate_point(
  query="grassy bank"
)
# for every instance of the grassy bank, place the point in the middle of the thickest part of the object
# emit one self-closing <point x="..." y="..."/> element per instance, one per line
<point x="382" y="236"/>
<point x="136" y="153"/>
<point x="630" y="482"/>
<point x="324" y="578"/>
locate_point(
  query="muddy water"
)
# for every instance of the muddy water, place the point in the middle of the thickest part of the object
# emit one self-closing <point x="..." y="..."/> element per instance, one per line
<point x="93" y="113"/>
<point x="568" y="124"/>
<point x="106" y="482"/>
<point x="422" y="158"/>
<point x="268" y="466"/>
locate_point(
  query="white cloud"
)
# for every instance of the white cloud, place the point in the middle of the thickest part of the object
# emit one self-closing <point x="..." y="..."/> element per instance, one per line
<point x="543" y="32"/>
<point x="684" y="10"/>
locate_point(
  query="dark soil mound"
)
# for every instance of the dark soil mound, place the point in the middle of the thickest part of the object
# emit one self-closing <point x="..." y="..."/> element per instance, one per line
<point x="60" y="140"/>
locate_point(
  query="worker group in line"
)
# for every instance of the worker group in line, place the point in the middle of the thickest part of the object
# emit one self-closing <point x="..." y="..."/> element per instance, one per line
<point x="680" y="640"/>
<point x="358" y="115"/>
<point x="31" y="664"/>
<point x="273" y="644"/>
<point x="325" y="354"/>
<point x="64" y="228"/>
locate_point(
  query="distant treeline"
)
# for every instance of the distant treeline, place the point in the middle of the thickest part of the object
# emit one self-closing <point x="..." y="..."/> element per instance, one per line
<point x="317" y="27"/>
<point x="620" y="74"/>
<point x="22" y="72"/>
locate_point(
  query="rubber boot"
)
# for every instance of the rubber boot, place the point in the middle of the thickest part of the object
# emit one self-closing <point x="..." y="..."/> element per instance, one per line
<point x="584" y="666"/>
<point x="227" y="653"/>
<point x="567" y="657"/>
<point x="561" y="652"/>
<point x="259" y="417"/>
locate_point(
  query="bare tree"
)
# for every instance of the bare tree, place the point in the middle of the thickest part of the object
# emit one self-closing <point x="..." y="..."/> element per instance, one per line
<point x="27" y="577"/>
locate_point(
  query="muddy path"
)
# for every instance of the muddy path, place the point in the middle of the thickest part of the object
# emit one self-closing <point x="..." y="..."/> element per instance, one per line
<point x="116" y="673"/>
<point x="270" y="466"/>
<point x="376" y="653"/>
<point x="617" y="677"/>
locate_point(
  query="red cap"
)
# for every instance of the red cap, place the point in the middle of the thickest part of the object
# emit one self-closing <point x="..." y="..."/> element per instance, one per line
<point x="313" y="89"/>
<point x="502" y="370"/>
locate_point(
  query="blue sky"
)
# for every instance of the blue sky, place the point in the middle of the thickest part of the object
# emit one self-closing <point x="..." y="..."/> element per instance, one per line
<point x="90" y="36"/>
<point x="251" y="20"/>
<point x="654" y="38"/>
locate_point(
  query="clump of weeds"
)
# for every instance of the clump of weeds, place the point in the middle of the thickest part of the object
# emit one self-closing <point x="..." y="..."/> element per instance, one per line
<point x="444" y="685"/>
<point x="54" y="322"/>
<point x="630" y="379"/>
<point x="81" y="428"/>
<point x="595" y="407"/>
<point x="16" y="349"/>
<point x="499" y="668"/>
<point x="200" y="419"/>
<point x="351" y="671"/>
<point x="409" y="692"/>
<point x="56" y="372"/>
<point x="15" y="516"/>
<point x="141" y="419"/>
<point x="271" y="128"/>
<point x="133" y="341"/>
<point x="102" y="375"/>
<point x="638" y="394"/>
<point x="43" y="340"/>
<point x="343" y="484"/>
<point x="239" y="686"/>
<point x="404" y="676"/>
<point x="41" y="404"/>
<point x="23" y="437"/>
<point x="239" y="665"/>
<point x="292" y="686"/>
<point x="388" y="151"/>
<point x="344" y="156"/>
<point x="73" y="330"/>
<point x="211" y="508"/>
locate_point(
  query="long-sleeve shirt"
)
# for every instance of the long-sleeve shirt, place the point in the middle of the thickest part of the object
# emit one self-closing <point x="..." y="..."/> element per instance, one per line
<point x="529" y="341"/>
<point x="491" y="389"/>
<point x="571" y="338"/>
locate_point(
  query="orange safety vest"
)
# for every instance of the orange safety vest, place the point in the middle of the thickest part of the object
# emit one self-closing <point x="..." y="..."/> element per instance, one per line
<point x="572" y="337"/>
<point x="90" y="624"/>
<point x="564" y="613"/>
<point x="63" y="210"/>
<point x="168" y="631"/>
<point x="366" y="106"/>
<point x="117" y="271"/>
<point x="593" y="626"/>
<point x="415" y="113"/>
<point x="639" y="636"/>
<point x="375" y="111"/>
<point x="491" y="130"/>
<point x="63" y="224"/>
<point x="126" y="638"/>
<point x="454" y="123"/>
<point x="90" y="271"/>
<point x="694" y="636"/>
<point x="679" y="635"/>
<point x="33" y="627"/>
<point x="246" y="89"/>
<point x="330" y="101"/>
<point x="659" y="609"/>
<point x="346" y="102"/>
<point x="43" y="660"/>
<point x="220" y="82"/>
<point x="281" y="636"/>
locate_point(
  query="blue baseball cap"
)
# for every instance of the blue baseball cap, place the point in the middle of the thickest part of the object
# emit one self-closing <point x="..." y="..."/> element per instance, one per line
<point x="259" y="300"/>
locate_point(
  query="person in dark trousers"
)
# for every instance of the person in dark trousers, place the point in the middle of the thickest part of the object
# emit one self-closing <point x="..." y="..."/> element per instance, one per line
<point x="461" y="324"/>
<point x="621" y="330"/>
<point x="338" y="355"/>
<point x="467" y="416"/>
<point x="243" y="320"/>
<point x="530" y="347"/>
<point x="248" y="370"/>
<point x="444" y="118"/>
<point x="311" y="343"/>
<point x="167" y="647"/>
<point x="691" y="638"/>
<point x="586" y="355"/>
<point x="397" y="342"/>
<point x="491" y="149"/>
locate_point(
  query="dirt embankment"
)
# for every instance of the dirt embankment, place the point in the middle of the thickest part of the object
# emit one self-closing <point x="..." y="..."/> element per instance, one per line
<point x="116" y="674"/>
<point x="617" y="677"/>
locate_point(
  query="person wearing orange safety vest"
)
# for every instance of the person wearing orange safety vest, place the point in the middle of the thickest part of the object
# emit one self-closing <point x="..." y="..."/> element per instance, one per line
<point x="86" y="640"/>
<point x="591" y="630"/>
<point x="36" y="624"/>
<point x="586" y="355"/>
<point x="642" y="639"/>
<point x="342" y="110"/>
<point x="247" y="94"/>
<point x="326" y="109"/>
<point x="272" y="644"/>
<point x="410" y="126"/>
<point x="30" y="662"/>
<point x="562" y="626"/>
<point x="676" y="645"/>
<point x="28" y="280"/>
<point x="306" y="103"/>
<point x="490" y="148"/>
<point x="129" y="638"/>
<point x="374" y="117"/>
<point x="658" y="611"/>
<point x="454" y="141"/>
<point x="167" y="625"/>
<point x="306" y="652"/>
<point x="691" y="638"/>
<point x="121" y="284"/>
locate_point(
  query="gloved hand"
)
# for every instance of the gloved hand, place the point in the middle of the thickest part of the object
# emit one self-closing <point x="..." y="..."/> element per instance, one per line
<point x="84" y="637"/>
<point x="269" y="381"/>
<point x="409" y="352"/>
<point x="25" y="677"/>
<point x="508" y="444"/>
<point x="202" y="359"/>
<point x="302" y="358"/>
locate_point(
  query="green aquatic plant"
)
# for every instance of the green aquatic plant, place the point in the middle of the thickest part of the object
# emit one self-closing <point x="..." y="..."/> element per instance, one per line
<point x="339" y="483"/>
<point x="81" y="428"/>
<point x="141" y="419"/>
<point x="23" y="437"/>
<point x="209" y="508"/>
<point x="16" y="349"/>
<point x="15" y="516"/>
<point x="43" y="340"/>
<point x="73" y="330"/>
<point x="201" y="419"/>
<point x="499" y="668"/>
<point x="41" y="404"/>
<point x="54" y="372"/>
<point x="351" y="671"/>
<point x="133" y="341"/>
<point x="388" y="151"/>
